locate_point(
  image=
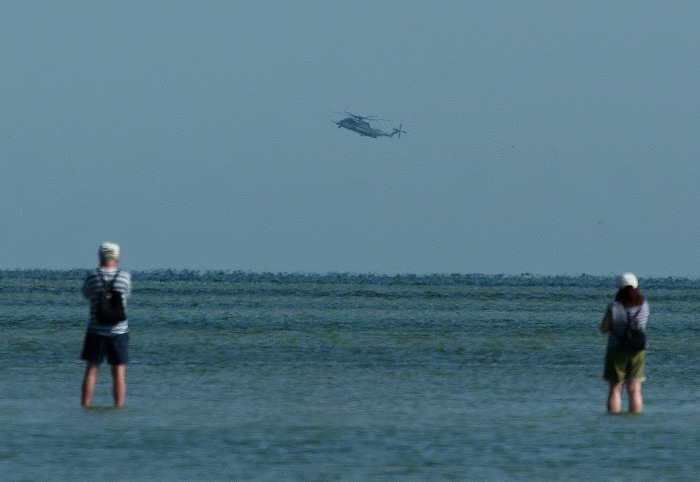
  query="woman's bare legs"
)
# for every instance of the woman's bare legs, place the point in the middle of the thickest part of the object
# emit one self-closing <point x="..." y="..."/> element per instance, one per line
<point x="615" y="397"/>
<point x="634" y="389"/>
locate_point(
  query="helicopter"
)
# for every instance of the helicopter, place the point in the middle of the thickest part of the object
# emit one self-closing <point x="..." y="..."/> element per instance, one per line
<point x="360" y="125"/>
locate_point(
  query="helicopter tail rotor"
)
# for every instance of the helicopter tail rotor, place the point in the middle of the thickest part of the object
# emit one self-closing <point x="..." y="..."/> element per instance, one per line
<point x="399" y="131"/>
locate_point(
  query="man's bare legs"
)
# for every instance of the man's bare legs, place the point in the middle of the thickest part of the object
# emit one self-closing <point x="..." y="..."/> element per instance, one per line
<point x="119" y="380"/>
<point x="90" y="382"/>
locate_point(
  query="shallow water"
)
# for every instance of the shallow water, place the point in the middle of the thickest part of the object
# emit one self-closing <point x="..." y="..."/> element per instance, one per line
<point x="305" y="377"/>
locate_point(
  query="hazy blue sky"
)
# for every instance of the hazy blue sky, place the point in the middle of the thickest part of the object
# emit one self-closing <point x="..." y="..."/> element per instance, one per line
<point x="545" y="137"/>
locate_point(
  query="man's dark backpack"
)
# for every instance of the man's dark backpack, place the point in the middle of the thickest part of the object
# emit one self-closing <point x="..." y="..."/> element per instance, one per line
<point x="110" y="305"/>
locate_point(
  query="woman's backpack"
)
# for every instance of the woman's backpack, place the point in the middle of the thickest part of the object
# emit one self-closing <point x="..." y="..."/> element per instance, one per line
<point x="634" y="337"/>
<point x="110" y="305"/>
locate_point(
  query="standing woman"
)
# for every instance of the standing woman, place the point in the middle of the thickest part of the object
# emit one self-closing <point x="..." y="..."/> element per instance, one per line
<point x="622" y="364"/>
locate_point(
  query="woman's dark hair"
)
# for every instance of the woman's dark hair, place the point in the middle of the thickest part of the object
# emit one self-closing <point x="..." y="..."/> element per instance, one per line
<point x="629" y="296"/>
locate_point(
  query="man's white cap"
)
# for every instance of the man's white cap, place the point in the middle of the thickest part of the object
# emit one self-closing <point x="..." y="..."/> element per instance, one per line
<point x="109" y="251"/>
<point x="628" y="279"/>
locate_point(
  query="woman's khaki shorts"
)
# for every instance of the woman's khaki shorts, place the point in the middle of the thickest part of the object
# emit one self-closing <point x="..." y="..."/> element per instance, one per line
<point x="624" y="365"/>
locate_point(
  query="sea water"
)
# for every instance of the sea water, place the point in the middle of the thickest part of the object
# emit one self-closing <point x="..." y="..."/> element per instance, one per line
<point x="254" y="376"/>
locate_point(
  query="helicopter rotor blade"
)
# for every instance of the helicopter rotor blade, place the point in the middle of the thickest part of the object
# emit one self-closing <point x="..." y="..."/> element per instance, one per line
<point x="361" y="117"/>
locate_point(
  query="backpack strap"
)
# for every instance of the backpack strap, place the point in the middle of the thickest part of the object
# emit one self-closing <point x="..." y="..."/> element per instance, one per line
<point x="633" y="318"/>
<point x="108" y="284"/>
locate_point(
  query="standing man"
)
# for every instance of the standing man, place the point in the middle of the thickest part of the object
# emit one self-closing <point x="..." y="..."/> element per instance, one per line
<point x="110" y="340"/>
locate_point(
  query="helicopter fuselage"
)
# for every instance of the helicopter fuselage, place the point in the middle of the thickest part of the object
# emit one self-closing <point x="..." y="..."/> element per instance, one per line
<point x="357" y="123"/>
<point x="362" y="127"/>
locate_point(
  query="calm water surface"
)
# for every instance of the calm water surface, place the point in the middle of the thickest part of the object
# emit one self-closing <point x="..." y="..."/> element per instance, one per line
<point x="341" y="377"/>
